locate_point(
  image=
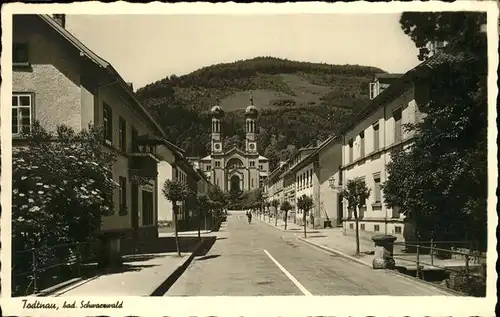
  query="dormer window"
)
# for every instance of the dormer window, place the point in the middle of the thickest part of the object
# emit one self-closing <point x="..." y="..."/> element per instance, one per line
<point x="374" y="90"/>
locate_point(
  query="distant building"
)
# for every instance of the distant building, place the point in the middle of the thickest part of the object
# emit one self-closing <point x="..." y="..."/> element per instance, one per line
<point x="235" y="170"/>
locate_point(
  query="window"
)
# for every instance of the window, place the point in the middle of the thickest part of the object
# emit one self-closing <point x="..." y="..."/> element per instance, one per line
<point x="376" y="137"/>
<point x="20" y="53"/>
<point x="341" y="176"/>
<point x="209" y="167"/>
<point x="350" y="150"/>
<point x="252" y="163"/>
<point x="362" y="144"/>
<point x="397" y="125"/>
<point x="351" y="226"/>
<point x="252" y="182"/>
<point x="397" y="229"/>
<point x="122" y="126"/>
<point x="135" y="136"/>
<point x="123" y="196"/>
<point x="376" y="228"/>
<point x="261" y="167"/>
<point x="217" y="163"/>
<point x="376" y="190"/>
<point x="21" y="113"/>
<point x="362" y="226"/>
<point x="108" y="123"/>
<point x="372" y="90"/>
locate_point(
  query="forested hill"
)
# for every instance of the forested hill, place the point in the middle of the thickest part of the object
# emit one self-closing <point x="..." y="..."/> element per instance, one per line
<point x="299" y="102"/>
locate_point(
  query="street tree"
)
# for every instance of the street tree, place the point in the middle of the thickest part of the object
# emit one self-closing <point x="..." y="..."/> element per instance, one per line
<point x="267" y="204"/>
<point x="305" y="203"/>
<point x="285" y="207"/>
<point x="204" y="207"/>
<point x="275" y="203"/>
<point x="176" y="192"/>
<point x="441" y="179"/>
<point x="356" y="194"/>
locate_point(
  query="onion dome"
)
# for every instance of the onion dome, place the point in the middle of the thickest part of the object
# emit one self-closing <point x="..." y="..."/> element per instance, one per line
<point x="217" y="111"/>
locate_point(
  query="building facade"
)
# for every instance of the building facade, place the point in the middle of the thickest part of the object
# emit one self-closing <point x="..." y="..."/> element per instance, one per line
<point x="58" y="81"/>
<point x="235" y="170"/>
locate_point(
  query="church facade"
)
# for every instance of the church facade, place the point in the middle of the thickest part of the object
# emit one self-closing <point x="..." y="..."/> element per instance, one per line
<point x="234" y="169"/>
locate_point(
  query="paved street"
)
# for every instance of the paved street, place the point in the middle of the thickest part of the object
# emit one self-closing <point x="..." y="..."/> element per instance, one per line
<point x="257" y="259"/>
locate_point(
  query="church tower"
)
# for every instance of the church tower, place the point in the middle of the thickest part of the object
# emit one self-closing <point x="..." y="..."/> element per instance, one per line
<point x="251" y="114"/>
<point x="217" y="135"/>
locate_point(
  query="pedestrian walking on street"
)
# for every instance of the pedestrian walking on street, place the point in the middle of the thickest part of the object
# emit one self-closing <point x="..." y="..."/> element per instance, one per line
<point x="249" y="215"/>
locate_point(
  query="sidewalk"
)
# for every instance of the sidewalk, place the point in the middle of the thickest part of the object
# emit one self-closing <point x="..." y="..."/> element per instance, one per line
<point x="336" y="241"/>
<point x="140" y="275"/>
<point x="290" y="227"/>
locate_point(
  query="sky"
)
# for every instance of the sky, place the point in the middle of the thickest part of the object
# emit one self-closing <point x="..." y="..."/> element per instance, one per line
<point x="147" y="48"/>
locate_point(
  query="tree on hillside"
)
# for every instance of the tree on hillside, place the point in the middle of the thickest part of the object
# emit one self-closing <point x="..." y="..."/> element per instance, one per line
<point x="441" y="180"/>
<point x="286" y="207"/>
<point x="175" y="192"/>
<point x="356" y="194"/>
<point x="60" y="190"/>
<point x="305" y="203"/>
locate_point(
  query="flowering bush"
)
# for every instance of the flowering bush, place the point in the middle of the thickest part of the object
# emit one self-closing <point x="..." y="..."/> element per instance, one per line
<point x="61" y="187"/>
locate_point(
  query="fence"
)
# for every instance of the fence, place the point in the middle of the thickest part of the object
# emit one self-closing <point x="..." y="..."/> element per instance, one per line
<point x="36" y="269"/>
<point x="446" y="258"/>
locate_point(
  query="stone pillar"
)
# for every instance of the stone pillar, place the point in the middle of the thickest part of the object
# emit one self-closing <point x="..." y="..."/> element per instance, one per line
<point x="110" y="251"/>
<point x="384" y="247"/>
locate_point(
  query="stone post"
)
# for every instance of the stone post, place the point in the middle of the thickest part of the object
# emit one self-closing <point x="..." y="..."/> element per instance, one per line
<point x="110" y="251"/>
<point x="384" y="249"/>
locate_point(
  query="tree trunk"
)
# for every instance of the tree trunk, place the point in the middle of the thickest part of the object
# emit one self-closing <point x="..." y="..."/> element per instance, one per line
<point x="199" y="224"/>
<point x="305" y="224"/>
<point x="205" y="214"/>
<point x="176" y="229"/>
<point x="357" y="231"/>
<point x="286" y="218"/>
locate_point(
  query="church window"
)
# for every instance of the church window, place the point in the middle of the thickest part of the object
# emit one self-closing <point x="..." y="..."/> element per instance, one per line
<point x="261" y="167"/>
<point x="209" y="167"/>
<point x="252" y="163"/>
<point x="217" y="163"/>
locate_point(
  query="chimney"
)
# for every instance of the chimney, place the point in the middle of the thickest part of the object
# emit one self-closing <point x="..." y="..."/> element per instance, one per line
<point x="131" y="85"/>
<point x="60" y="19"/>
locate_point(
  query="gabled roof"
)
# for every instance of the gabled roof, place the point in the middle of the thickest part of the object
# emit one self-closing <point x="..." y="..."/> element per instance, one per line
<point x="206" y="158"/>
<point x="235" y="149"/>
<point x="391" y="92"/>
<point x="100" y="62"/>
<point x="262" y="158"/>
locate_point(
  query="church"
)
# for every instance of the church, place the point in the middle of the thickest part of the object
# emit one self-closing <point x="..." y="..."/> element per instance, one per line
<point x="233" y="169"/>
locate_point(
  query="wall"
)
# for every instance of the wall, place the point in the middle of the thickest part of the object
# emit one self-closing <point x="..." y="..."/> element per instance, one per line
<point x="54" y="75"/>
<point x="330" y="161"/>
<point x="114" y="97"/>
<point x="374" y="162"/>
<point x="165" y="172"/>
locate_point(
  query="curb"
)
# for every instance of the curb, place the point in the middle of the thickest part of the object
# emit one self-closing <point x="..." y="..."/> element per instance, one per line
<point x="319" y="246"/>
<point x="447" y="291"/>
<point x="288" y="230"/>
<point x="181" y="268"/>
<point x="174" y="276"/>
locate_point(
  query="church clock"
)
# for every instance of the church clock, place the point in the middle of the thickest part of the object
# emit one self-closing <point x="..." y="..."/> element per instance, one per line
<point x="217" y="147"/>
<point x="252" y="147"/>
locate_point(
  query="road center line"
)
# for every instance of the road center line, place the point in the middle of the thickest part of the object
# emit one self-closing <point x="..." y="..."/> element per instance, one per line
<point x="290" y="276"/>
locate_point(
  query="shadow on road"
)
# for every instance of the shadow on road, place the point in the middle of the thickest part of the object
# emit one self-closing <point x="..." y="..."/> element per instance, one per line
<point x="320" y="236"/>
<point x="140" y="257"/>
<point x="222" y="238"/>
<point x="208" y="257"/>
